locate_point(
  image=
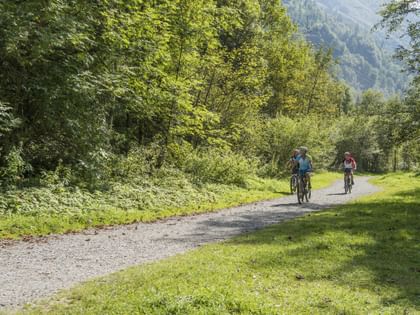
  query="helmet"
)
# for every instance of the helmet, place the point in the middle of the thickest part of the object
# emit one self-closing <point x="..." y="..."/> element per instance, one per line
<point x="347" y="153"/>
<point x="303" y="149"/>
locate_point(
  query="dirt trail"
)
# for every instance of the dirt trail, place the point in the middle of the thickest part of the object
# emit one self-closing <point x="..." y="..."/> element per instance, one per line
<point x="32" y="270"/>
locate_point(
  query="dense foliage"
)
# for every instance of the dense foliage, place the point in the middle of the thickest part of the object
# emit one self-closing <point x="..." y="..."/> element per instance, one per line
<point x="83" y="81"/>
<point x="403" y="17"/>
<point x="98" y="93"/>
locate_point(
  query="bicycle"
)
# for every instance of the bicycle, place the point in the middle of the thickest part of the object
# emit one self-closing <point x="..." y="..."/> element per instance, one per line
<point x="348" y="185"/>
<point x="304" y="191"/>
<point x="293" y="183"/>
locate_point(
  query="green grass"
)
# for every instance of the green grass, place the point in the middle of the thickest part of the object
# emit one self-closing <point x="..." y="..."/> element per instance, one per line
<point x="43" y="211"/>
<point x="360" y="258"/>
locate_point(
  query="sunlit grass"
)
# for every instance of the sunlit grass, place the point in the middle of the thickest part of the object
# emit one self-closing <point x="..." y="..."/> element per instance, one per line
<point x="360" y="258"/>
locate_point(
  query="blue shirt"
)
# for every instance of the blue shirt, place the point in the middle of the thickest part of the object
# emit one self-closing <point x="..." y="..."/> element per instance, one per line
<point x="304" y="163"/>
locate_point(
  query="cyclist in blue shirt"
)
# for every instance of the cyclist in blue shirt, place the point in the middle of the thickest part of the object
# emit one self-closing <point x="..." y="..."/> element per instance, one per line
<point x="304" y="160"/>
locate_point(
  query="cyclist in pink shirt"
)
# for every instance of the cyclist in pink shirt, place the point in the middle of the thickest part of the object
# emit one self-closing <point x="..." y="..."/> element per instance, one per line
<point x="350" y="166"/>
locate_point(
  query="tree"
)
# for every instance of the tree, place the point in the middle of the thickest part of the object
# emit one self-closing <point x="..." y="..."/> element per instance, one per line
<point x="371" y="103"/>
<point x="402" y="15"/>
<point x="347" y="101"/>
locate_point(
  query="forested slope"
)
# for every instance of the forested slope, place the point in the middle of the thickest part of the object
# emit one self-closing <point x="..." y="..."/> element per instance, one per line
<point x="83" y="81"/>
<point x="364" y="12"/>
<point x="365" y="58"/>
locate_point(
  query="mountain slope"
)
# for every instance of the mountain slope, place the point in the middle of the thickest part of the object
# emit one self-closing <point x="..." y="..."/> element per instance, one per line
<point x="365" y="58"/>
<point x="361" y="12"/>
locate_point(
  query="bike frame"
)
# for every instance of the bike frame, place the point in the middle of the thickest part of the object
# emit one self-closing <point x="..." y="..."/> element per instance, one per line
<point x="347" y="183"/>
<point x="303" y="191"/>
<point x="294" y="180"/>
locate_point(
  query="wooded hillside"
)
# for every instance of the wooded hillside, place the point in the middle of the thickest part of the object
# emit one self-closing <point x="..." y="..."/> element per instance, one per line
<point x="364" y="56"/>
<point x="86" y="84"/>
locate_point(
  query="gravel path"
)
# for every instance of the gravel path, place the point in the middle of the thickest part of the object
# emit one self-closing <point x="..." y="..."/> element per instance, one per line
<point x="36" y="269"/>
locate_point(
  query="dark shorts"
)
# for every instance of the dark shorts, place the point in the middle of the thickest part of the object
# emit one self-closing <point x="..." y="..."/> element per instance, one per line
<point x="348" y="170"/>
<point x="304" y="172"/>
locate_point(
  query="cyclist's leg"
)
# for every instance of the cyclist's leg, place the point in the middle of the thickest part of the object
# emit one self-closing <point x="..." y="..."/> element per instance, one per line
<point x="308" y="175"/>
<point x="347" y="173"/>
<point x="301" y="175"/>
<point x="308" y="179"/>
<point x="352" y="177"/>
<point x="293" y="181"/>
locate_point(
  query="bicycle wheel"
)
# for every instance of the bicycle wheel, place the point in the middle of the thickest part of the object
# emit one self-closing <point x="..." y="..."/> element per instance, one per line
<point x="299" y="188"/>
<point x="293" y="184"/>
<point x="346" y="185"/>
<point x="306" y="191"/>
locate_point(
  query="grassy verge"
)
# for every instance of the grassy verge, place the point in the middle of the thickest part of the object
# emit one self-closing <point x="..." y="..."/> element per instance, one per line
<point x="360" y="258"/>
<point x="43" y="211"/>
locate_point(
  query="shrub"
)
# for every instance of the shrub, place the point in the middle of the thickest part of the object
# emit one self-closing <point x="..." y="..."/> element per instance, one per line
<point x="61" y="177"/>
<point x="137" y="166"/>
<point x="218" y="166"/>
<point x="8" y="121"/>
<point x="283" y="134"/>
<point x="15" y="168"/>
<point x="359" y="136"/>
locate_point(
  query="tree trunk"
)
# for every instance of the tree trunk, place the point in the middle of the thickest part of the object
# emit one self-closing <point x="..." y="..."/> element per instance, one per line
<point x="395" y="160"/>
<point x="209" y="88"/>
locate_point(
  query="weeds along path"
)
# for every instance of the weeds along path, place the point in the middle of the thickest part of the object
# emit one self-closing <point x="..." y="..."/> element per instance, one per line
<point x="36" y="269"/>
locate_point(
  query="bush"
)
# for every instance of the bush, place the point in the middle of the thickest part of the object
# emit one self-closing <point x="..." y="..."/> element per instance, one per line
<point x="409" y="158"/>
<point x="283" y="134"/>
<point x="16" y="167"/>
<point x="359" y="136"/>
<point x="218" y="166"/>
<point x="8" y="121"/>
<point x="61" y="177"/>
<point x="137" y="166"/>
